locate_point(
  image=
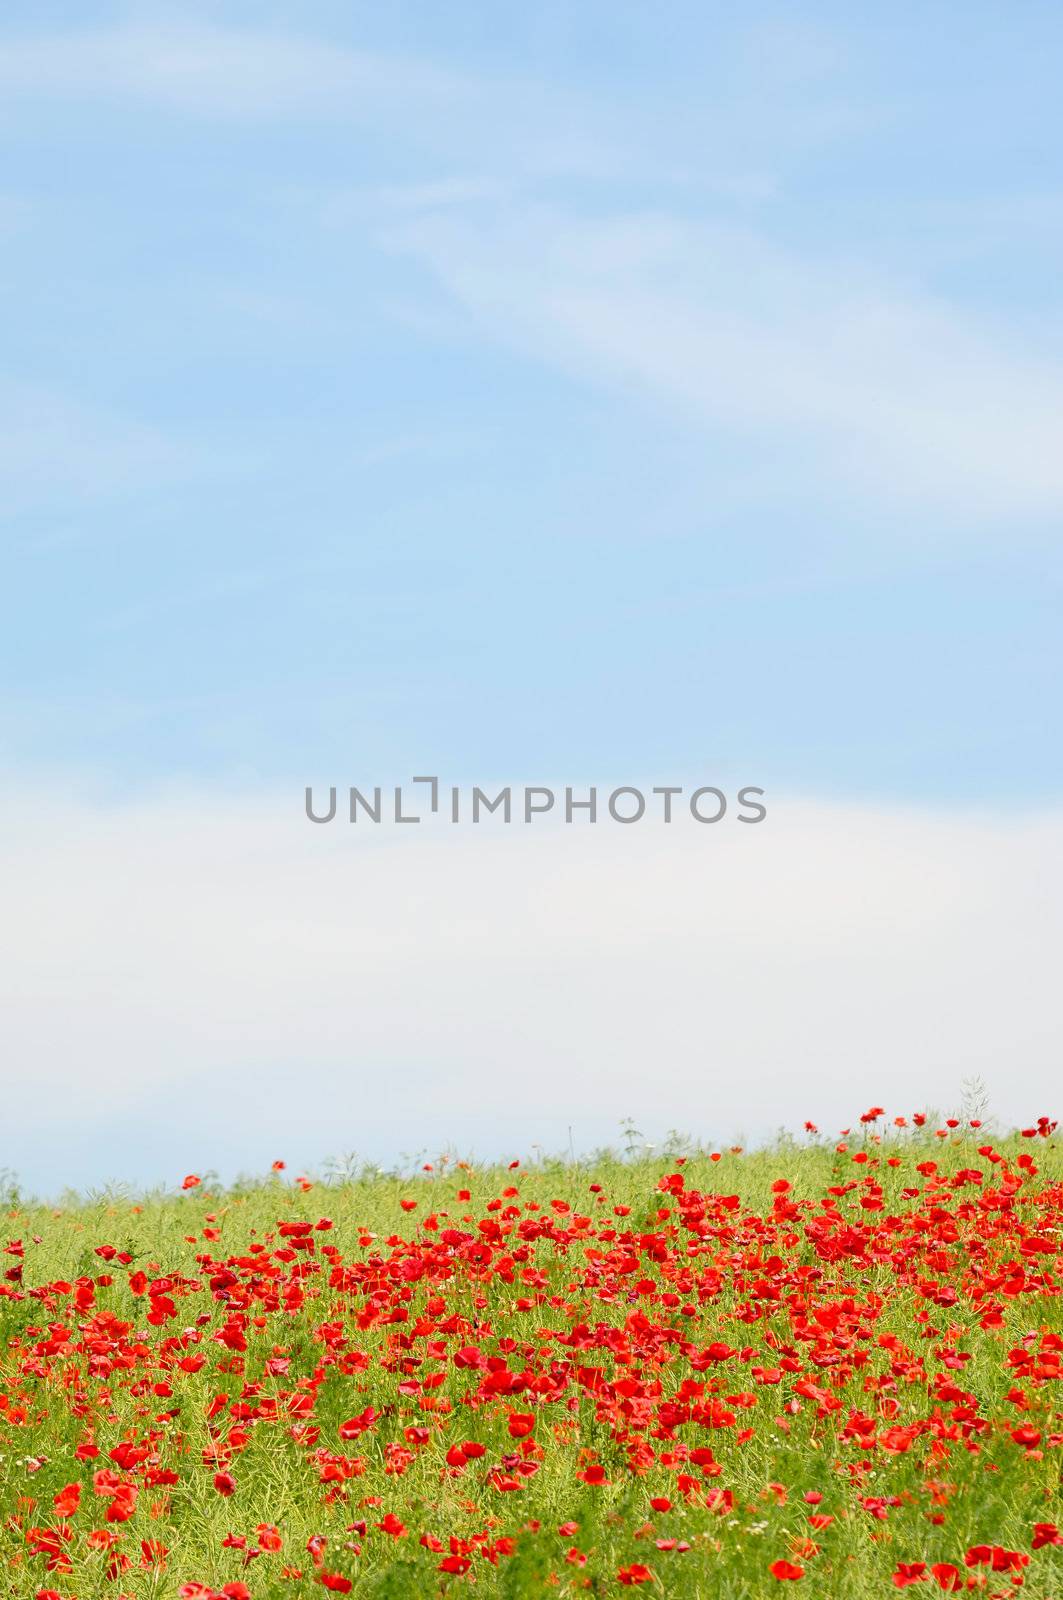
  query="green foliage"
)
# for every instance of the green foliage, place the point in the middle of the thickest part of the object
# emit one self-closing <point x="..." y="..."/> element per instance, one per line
<point x="569" y="1301"/>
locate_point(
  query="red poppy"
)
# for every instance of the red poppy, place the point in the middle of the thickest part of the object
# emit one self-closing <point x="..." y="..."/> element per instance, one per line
<point x="909" y="1572"/>
<point x="68" y="1499"/>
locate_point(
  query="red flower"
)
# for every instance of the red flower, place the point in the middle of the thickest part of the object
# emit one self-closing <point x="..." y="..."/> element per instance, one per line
<point x="354" y="1426"/>
<point x="525" y="1314"/>
<point x="67" y="1500"/>
<point x="995" y="1556"/>
<point x="123" y="1504"/>
<point x="191" y="1181"/>
<point x="909" y="1572"/>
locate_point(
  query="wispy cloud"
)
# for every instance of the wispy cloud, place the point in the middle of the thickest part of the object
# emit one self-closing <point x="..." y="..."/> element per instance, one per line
<point x="57" y="451"/>
<point x="503" y="120"/>
<point x="839" y="376"/>
<point x="440" y="196"/>
<point x="216" y="71"/>
<point x="256" y="74"/>
<point x="866" y="381"/>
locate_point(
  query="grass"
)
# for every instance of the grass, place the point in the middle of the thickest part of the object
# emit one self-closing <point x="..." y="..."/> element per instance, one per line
<point x="864" y="1329"/>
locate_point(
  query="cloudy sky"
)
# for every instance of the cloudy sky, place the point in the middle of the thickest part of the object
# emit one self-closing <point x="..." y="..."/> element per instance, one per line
<point x="600" y="394"/>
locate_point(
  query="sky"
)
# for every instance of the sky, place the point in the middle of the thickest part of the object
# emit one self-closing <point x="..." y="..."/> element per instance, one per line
<point x="600" y="394"/>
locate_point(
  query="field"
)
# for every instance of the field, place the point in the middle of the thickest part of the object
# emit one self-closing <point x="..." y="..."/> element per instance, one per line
<point x="830" y="1367"/>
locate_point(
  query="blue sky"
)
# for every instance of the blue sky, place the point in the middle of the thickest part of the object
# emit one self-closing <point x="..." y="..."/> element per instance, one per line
<point x="526" y="392"/>
<point x="524" y="389"/>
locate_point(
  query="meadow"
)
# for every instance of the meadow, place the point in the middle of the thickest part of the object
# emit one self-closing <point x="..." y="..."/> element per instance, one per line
<point x="828" y="1367"/>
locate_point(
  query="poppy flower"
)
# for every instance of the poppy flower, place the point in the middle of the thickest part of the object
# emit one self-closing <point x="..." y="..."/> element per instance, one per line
<point x="909" y="1572"/>
<point x="455" y="1563"/>
<point x="867" y="1314"/>
<point x="68" y="1499"/>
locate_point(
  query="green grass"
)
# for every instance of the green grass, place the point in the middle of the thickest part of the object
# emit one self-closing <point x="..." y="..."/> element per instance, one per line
<point x="940" y="1287"/>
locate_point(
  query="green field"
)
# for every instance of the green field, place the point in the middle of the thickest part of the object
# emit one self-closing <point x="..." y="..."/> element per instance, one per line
<point x="831" y="1366"/>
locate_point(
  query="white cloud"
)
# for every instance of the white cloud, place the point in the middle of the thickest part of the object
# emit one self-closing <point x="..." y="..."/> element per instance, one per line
<point x="57" y="452"/>
<point x="840" y="372"/>
<point x="839" y="376"/>
<point x="208" y="968"/>
<point x="196" y="69"/>
<point x="214" y="71"/>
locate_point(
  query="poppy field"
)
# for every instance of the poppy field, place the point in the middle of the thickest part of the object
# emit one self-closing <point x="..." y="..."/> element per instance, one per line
<point x="828" y="1367"/>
